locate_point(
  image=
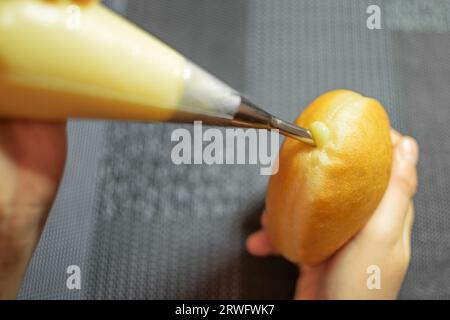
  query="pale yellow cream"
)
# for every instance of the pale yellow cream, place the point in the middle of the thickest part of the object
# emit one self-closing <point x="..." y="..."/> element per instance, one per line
<point x="60" y="60"/>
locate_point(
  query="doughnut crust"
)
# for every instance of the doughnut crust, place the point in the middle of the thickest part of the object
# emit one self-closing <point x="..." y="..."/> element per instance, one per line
<point x="322" y="196"/>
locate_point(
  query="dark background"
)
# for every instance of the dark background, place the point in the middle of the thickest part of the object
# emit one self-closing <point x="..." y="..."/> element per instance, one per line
<point x="142" y="227"/>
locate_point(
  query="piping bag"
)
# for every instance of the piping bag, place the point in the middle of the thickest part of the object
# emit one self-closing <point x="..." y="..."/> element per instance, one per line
<point x="64" y="59"/>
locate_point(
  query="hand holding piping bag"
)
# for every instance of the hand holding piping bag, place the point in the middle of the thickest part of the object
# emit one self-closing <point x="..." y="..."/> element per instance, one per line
<point x="32" y="159"/>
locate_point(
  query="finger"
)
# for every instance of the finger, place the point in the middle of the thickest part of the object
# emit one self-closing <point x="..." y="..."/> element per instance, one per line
<point x="407" y="229"/>
<point x="409" y="220"/>
<point x="259" y="244"/>
<point x="404" y="174"/>
<point x="394" y="206"/>
<point x="395" y="136"/>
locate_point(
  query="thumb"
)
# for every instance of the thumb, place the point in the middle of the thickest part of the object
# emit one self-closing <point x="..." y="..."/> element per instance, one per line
<point x="402" y="185"/>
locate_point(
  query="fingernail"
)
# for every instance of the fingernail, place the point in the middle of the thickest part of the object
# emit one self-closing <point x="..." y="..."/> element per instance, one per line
<point x="408" y="150"/>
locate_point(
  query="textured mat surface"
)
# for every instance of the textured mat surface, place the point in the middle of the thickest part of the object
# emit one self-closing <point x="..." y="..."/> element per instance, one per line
<point x="424" y="74"/>
<point x="142" y="227"/>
